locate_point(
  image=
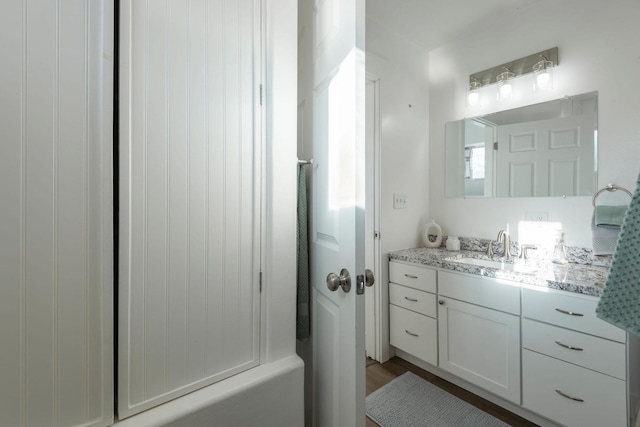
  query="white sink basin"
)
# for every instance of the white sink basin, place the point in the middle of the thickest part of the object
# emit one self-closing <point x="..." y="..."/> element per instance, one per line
<point x="498" y="265"/>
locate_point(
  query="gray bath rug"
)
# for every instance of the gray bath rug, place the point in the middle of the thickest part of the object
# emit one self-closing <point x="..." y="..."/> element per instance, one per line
<point x="410" y="401"/>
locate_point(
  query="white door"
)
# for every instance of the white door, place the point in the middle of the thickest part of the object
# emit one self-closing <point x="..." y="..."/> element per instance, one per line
<point x="338" y="212"/>
<point x="56" y="227"/>
<point x="189" y="197"/>
<point x="546" y="158"/>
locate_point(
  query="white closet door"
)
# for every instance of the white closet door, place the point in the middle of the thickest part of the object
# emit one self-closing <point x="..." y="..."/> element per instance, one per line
<point x="189" y="197"/>
<point x="56" y="241"/>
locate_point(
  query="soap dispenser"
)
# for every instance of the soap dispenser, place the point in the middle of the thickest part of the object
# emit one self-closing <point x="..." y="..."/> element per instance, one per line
<point x="559" y="251"/>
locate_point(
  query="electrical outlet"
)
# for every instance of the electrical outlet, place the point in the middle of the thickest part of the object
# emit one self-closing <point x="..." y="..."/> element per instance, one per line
<point x="536" y="216"/>
<point x="399" y="201"/>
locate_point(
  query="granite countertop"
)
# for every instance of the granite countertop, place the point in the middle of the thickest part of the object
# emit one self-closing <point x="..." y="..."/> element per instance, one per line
<point x="572" y="277"/>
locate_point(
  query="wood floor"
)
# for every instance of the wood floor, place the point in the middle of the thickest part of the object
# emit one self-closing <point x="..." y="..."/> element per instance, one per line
<point x="380" y="374"/>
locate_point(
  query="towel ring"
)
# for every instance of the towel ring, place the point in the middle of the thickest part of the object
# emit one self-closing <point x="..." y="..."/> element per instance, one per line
<point x="610" y="187"/>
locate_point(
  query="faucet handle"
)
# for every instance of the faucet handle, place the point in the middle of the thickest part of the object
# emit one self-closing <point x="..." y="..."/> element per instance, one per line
<point x="524" y="250"/>
<point x="489" y="247"/>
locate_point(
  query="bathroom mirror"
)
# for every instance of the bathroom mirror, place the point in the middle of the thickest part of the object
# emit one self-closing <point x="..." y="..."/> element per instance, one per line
<point x="541" y="150"/>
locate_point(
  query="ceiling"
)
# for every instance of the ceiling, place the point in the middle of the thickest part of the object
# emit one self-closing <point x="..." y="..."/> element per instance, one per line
<point x="433" y="23"/>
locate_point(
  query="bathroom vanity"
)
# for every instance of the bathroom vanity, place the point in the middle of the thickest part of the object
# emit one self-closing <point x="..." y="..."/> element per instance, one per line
<point x="520" y="333"/>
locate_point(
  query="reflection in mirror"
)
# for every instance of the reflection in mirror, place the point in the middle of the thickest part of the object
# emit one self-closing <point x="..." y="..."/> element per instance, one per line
<point x="546" y="149"/>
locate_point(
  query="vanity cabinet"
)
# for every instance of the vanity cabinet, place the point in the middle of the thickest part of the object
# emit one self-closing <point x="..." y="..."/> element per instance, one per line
<point x="541" y="349"/>
<point x="573" y="364"/>
<point x="479" y="332"/>
<point x="412" y="310"/>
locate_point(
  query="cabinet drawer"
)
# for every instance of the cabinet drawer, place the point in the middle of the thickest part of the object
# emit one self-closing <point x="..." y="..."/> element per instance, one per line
<point x="416" y="277"/>
<point x="544" y="378"/>
<point x="568" y="311"/>
<point x="574" y="347"/>
<point x="485" y="292"/>
<point x="418" y="301"/>
<point x="414" y="333"/>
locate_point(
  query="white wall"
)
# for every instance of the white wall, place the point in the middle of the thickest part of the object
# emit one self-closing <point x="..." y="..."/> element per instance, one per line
<point x="279" y="273"/>
<point x="597" y="44"/>
<point x="402" y="68"/>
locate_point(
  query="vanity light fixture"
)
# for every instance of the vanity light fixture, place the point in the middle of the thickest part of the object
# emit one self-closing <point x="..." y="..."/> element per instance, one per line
<point x="540" y="64"/>
<point x="473" y="95"/>
<point x="505" y="86"/>
<point x="543" y="74"/>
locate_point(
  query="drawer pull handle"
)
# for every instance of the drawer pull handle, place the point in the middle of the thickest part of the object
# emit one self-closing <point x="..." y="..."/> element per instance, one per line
<point x="577" y="399"/>
<point x="411" y="299"/>
<point x="570" y="347"/>
<point x="411" y="333"/>
<point x="570" y="313"/>
<point x="410" y="276"/>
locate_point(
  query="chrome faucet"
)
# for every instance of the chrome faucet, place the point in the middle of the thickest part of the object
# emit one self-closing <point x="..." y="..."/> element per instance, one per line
<point x="506" y="243"/>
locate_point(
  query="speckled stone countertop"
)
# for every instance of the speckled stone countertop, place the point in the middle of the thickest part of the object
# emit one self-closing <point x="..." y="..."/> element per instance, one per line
<point x="581" y="278"/>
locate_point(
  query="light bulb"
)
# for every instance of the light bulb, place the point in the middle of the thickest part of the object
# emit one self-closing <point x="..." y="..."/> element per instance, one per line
<point x="505" y="91"/>
<point x="543" y="73"/>
<point x="543" y="79"/>
<point x="473" y="98"/>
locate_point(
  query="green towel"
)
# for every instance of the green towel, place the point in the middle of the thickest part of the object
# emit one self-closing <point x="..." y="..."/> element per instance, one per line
<point x="620" y="301"/>
<point x="610" y="216"/>
<point x="303" y="317"/>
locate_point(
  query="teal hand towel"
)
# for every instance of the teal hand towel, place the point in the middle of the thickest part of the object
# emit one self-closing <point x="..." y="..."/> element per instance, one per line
<point x="303" y="316"/>
<point x="610" y="216"/>
<point x="620" y="301"/>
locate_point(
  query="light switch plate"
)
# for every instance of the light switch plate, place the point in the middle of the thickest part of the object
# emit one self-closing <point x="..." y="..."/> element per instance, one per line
<point x="399" y="201"/>
<point x="536" y="216"/>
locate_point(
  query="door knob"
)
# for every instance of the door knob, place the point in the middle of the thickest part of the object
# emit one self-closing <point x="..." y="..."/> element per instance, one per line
<point x="369" y="280"/>
<point x="344" y="281"/>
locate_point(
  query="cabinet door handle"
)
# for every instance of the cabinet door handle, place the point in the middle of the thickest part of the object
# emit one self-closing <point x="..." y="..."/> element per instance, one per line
<point x="570" y="347"/>
<point x="570" y="313"/>
<point x="441" y="302"/>
<point x="410" y="276"/>
<point x="411" y="333"/>
<point x="577" y="399"/>
<point x="411" y="299"/>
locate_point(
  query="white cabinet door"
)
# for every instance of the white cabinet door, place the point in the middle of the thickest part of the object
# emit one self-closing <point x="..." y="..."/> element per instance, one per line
<point x="189" y="197"/>
<point x="56" y="228"/>
<point x="481" y="346"/>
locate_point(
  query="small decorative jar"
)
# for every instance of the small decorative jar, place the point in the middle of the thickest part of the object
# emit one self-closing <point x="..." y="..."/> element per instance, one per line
<point x="453" y="243"/>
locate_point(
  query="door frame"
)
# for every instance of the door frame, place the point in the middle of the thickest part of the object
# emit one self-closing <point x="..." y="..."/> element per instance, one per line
<point x="372" y="232"/>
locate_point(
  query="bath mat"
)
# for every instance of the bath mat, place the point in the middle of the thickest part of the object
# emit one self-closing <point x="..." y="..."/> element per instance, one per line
<point x="410" y="401"/>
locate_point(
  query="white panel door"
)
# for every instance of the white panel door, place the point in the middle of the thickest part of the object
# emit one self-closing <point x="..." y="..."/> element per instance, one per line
<point x="337" y="238"/>
<point x="189" y="197"/>
<point x="546" y="158"/>
<point x="56" y="228"/>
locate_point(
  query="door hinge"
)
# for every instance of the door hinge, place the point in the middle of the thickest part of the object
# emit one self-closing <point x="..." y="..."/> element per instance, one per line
<point x="260" y="280"/>
<point x="495" y="145"/>
<point x="260" y="94"/>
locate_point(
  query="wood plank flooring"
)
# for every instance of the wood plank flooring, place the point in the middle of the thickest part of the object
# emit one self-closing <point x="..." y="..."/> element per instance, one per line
<point x="380" y="374"/>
